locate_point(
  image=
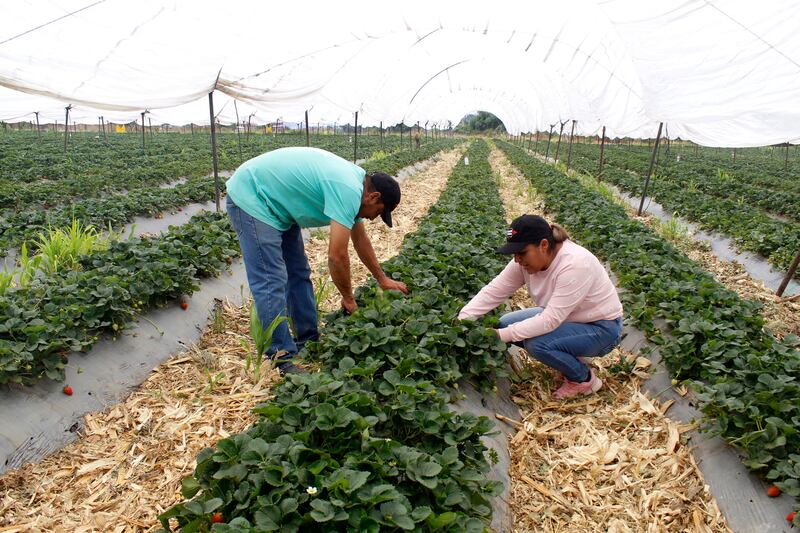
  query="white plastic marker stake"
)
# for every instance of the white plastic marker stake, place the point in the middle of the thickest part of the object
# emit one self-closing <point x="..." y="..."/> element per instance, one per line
<point x="466" y="160"/>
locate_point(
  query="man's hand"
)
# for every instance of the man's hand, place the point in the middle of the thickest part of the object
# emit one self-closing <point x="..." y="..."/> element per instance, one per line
<point x="388" y="284"/>
<point x="349" y="305"/>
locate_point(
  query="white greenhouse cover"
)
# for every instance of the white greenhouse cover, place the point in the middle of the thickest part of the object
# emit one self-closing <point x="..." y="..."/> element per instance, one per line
<point x="719" y="72"/>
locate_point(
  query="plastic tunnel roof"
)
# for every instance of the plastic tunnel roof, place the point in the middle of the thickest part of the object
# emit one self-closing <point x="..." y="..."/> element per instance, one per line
<point x="719" y="72"/>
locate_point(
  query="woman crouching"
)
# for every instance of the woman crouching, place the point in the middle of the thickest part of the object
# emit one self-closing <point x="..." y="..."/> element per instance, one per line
<point x="579" y="314"/>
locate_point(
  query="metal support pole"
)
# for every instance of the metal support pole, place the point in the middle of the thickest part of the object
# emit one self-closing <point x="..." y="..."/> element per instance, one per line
<point x="381" y="135"/>
<point x="150" y="126"/>
<point x="38" y="131"/>
<point x="789" y="274"/>
<point x="650" y="168"/>
<point x="308" y="141"/>
<point x="355" y="140"/>
<point x="734" y="155"/>
<point x="142" y="130"/>
<point x="549" y="136"/>
<point x="602" y="151"/>
<point x="426" y="131"/>
<point x="571" y="137"/>
<point x="66" y="127"/>
<point x="401" y="135"/>
<point x="192" y="125"/>
<point x="558" y="145"/>
<point x="214" y="148"/>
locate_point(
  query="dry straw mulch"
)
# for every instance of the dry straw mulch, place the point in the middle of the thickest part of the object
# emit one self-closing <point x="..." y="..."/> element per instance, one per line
<point x="611" y="461"/>
<point x="127" y="466"/>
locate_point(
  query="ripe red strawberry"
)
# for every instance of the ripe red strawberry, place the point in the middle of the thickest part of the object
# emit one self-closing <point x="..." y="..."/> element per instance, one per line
<point x="773" y="491"/>
<point x="216" y="518"/>
<point x="790" y="516"/>
<point x="184" y="306"/>
<point x="68" y="390"/>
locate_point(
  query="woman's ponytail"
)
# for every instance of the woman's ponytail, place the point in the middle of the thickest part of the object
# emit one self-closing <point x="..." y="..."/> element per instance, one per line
<point x="559" y="233"/>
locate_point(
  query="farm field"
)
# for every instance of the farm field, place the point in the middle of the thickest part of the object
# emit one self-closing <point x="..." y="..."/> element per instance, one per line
<point x="72" y="284"/>
<point x="447" y="267"/>
<point x="119" y="505"/>
<point x="754" y="200"/>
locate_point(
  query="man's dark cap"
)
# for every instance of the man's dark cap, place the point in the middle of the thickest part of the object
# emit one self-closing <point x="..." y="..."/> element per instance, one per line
<point x="390" y="193"/>
<point x="525" y="230"/>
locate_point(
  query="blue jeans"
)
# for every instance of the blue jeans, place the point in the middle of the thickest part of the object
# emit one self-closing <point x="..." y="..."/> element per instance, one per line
<point x="279" y="278"/>
<point x="560" y="348"/>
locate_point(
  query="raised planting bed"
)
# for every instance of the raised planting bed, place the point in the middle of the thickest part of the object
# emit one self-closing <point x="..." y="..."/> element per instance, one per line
<point x="747" y="381"/>
<point x="370" y="443"/>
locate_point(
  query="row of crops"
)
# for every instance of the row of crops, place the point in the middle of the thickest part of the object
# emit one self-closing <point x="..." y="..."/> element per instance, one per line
<point x="747" y="381"/>
<point x="759" y="218"/>
<point x="369" y="443"/>
<point x="118" y="209"/>
<point x="109" y="183"/>
<point x="46" y="312"/>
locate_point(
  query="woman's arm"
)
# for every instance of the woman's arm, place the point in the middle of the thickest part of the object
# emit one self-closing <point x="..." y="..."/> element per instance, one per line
<point x="501" y="287"/>
<point x="571" y="287"/>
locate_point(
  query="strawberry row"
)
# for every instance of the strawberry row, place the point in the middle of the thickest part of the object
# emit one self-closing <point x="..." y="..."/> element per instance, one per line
<point x="369" y="443"/>
<point x="748" y="382"/>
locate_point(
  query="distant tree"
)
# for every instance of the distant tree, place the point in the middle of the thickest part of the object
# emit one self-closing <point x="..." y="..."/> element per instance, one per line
<point x="480" y="122"/>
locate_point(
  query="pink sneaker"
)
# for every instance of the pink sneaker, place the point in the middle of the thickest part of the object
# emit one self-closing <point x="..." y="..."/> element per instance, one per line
<point x="570" y="388"/>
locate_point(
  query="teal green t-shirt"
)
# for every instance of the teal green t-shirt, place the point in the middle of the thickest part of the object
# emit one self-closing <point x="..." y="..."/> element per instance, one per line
<point x="304" y="186"/>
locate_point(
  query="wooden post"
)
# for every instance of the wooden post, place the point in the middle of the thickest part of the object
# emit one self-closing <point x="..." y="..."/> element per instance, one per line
<point x="238" y="134"/>
<point x="549" y="136"/>
<point x="571" y="137"/>
<point x="558" y="145"/>
<point x="150" y="126"/>
<point x="308" y="141"/>
<point x="142" y="130"/>
<point x="602" y="150"/>
<point x="789" y="274"/>
<point x="786" y="160"/>
<point x="355" y="140"/>
<point x="214" y="160"/>
<point x="192" y="125"/>
<point x="66" y="127"/>
<point x="650" y="168"/>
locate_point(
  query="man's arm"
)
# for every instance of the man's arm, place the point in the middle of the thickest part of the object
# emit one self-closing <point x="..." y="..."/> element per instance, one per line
<point x="339" y="264"/>
<point x="366" y="253"/>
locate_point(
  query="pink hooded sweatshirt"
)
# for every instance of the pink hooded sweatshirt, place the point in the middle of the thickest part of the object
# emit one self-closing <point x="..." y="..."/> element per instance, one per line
<point x="574" y="288"/>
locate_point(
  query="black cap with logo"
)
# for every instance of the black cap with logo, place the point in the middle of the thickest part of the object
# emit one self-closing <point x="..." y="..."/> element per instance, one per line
<point x="525" y="230"/>
<point x="390" y="193"/>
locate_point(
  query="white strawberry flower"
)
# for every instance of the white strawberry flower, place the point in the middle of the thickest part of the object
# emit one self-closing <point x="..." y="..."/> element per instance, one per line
<point x="312" y="490"/>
